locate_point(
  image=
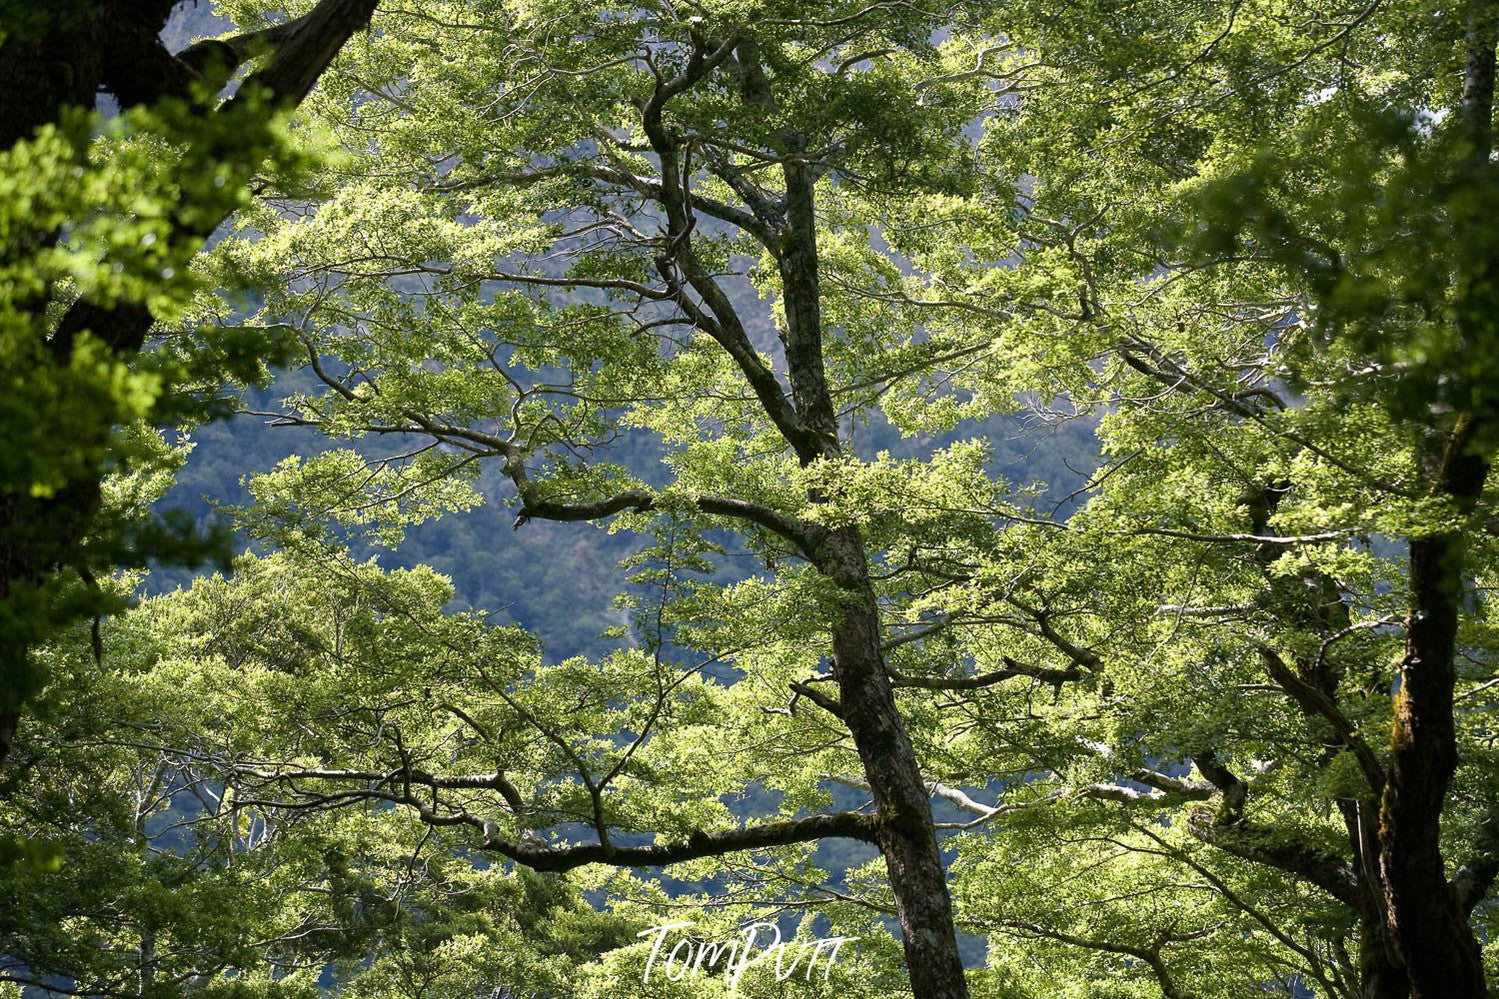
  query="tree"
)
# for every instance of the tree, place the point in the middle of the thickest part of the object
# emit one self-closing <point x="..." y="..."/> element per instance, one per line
<point x="99" y="236"/>
<point x="173" y="883"/>
<point x="508" y="281"/>
<point x="1306" y="276"/>
<point x="1249" y="243"/>
<point x="1293" y="386"/>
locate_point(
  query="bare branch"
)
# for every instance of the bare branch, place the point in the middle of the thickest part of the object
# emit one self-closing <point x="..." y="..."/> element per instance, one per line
<point x="1314" y="701"/>
<point x="845" y="825"/>
<point x="1012" y="669"/>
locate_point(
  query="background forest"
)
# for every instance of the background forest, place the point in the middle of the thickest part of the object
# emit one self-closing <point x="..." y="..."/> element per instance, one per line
<point x="1005" y="483"/>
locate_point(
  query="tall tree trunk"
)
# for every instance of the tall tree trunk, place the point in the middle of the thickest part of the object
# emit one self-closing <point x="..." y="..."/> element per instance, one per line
<point x="1426" y="916"/>
<point x="1436" y="942"/>
<point x="907" y="836"/>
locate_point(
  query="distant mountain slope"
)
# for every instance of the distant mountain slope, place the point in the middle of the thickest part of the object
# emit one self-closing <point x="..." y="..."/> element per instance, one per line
<point x="558" y="580"/>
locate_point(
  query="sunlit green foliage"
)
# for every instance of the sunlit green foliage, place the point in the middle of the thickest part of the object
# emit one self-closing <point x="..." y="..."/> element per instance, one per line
<point x="1247" y="243"/>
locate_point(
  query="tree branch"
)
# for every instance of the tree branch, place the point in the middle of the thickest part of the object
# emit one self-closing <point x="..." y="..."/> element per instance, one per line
<point x="1473" y="879"/>
<point x="1314" y="701"/>
<point x="1149" y="956"/>
<point x="534" y="505"/>
<point x="1012" y="669"/>
<point x="845" y="825"/>
<point x="1227" y="828"/>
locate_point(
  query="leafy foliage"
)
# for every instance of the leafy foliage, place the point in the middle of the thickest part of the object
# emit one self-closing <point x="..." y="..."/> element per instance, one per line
<point x="753" y="285"/>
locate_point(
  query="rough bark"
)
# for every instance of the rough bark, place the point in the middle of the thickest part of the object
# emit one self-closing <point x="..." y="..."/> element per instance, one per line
<point x="1381" y="973"/>
<point x="907" y="837"/>
<point x="1435" y="940"/>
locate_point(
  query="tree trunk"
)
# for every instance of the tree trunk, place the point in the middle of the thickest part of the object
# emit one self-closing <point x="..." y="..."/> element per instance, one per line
<point x="907" y="837"/>
<point x="1380" y="973"/>
<point x="1439" y="948"/>
<point x="9" y="721"/>
<point x="1426" y="916"/>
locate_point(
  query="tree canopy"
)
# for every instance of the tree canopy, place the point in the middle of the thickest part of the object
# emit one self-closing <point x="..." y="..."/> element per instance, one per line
<point x="1199" y="709"/>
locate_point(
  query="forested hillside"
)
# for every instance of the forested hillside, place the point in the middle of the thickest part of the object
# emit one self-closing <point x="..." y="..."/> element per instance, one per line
<point x="555" y="581"/>
<point x="526" y="498"/>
